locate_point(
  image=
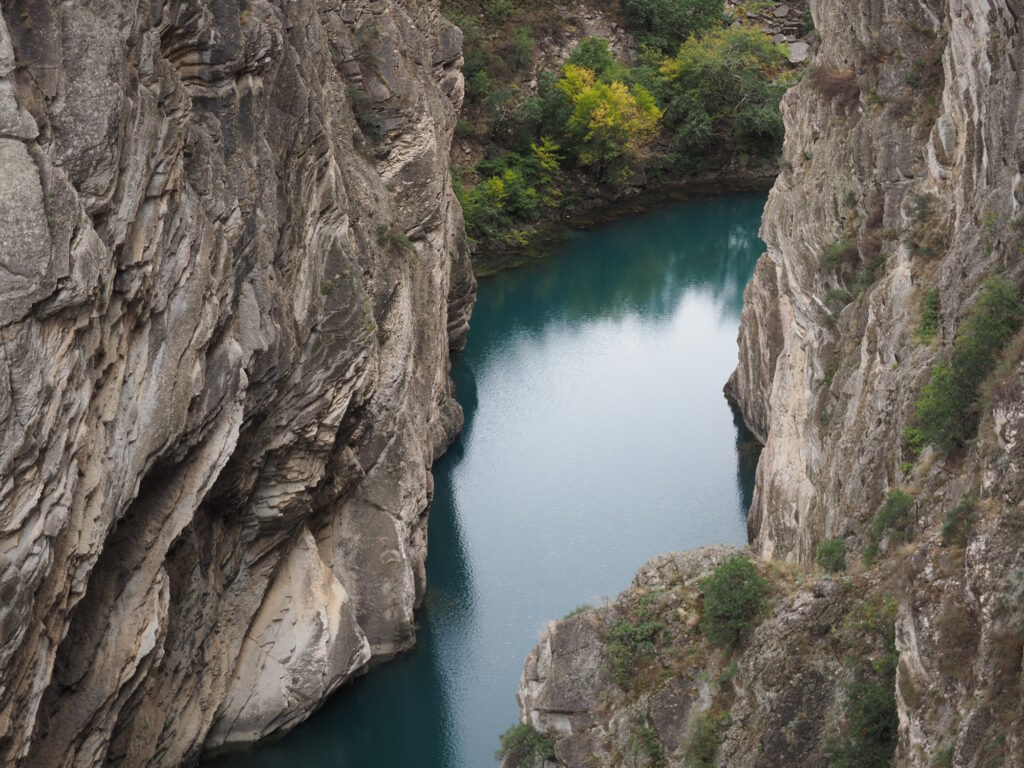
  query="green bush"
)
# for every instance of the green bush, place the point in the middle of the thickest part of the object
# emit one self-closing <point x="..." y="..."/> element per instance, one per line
<point x="928" y="325"/>
<point x="734" y="600"/>
<point x="831" y="555"/>
<point x="895" y="518"/>
<point x="724" y="88"/>
<point x="838" y="255"/>
<point x="958" y="523"/>
<point x="872" y="722"/>
<point x="663" y="24"/>
<point x="594" y="53"/>
<point x="627" y="643"/>
<point x="705" y="740"/>
<point x="525" y="747"/>
<point x="948" y="411"/>
<point x="523" y="45"/>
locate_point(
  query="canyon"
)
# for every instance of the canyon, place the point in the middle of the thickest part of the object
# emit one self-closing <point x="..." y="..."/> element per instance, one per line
<point x="233" y="273"/>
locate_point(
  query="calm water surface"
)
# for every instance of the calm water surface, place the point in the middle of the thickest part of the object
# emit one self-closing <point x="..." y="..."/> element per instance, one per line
<point x="596" y="437"/>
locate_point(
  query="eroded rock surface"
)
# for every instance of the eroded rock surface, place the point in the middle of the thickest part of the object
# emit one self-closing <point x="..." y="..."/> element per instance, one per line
<point x="231" y="272"/>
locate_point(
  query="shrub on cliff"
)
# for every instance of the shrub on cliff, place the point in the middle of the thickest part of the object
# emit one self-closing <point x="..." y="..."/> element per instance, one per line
<point x="872" y="723"/>
<point x="949" y="409"/>
<point x="734" y="600"/>
<point x="958" y="523"/>
<point x="831" y="555"/>
<point x="523" y="746"/>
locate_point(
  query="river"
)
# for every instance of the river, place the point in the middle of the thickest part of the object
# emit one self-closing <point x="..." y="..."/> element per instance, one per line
<point x="596" y="437"/>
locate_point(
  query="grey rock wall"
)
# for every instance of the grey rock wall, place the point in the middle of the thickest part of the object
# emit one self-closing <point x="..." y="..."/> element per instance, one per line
<point x="231" y="271"/>
<point x="931" y="108"/>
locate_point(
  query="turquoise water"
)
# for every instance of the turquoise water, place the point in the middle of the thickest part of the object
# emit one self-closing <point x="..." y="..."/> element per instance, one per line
<point x="596" y="437"/>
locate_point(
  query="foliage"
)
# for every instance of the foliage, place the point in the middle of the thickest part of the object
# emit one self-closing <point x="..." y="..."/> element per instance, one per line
<point x="523" y="45"/>
<point x="646" y="741"/>
<point x="705" y="740"/>
<point x="662" y="24"/>
<point x="841" y="253"/>
<point x="491" y="207"/>
<point x="948" y="410"/>
<point x="871" y="715"/>
<point x="525" y="747"/>
<point x="725" y="87"/>
<point x="895" y="518"/>
<point x="675" y="108"/>
<point x="830" y="554"/>
<point x="627" y="642"/>
<point x="594" y="53"/>
<point x="612" y="124"/>
<point x="734" y="600"/>
<point x="958" y="523"/>
<point x="928" y="325"/>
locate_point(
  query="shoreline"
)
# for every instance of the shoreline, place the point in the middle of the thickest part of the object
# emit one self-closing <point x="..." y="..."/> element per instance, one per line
<point x="489" y="258"/>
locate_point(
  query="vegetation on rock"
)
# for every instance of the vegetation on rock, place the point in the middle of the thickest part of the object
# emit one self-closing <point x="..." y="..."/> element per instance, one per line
<point x="522" y="746"/>
<point x="830" y="554"/>
<point x="734" y="601"/>
<point x="949" y="408"/>
<point x="696" y="95"/>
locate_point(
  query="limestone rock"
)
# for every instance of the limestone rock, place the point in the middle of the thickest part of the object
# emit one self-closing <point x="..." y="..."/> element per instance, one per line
<point x="232" y="270"/>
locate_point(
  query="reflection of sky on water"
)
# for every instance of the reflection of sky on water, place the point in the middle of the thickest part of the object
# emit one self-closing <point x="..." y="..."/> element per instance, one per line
<point x="596" y="437"/>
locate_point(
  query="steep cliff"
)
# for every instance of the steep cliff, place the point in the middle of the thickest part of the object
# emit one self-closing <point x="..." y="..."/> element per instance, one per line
<point x="231" y="272"/>
<point x="900" y="197"/>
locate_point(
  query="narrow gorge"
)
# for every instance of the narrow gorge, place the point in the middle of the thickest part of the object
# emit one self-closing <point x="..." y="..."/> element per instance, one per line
<point x="234" y="276"/>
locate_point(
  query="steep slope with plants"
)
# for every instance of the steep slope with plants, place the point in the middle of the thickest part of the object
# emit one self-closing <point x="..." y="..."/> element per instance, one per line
<point x="231" y="270"/>
<point x="882" y="363"/>
<point x="571" y="106"/>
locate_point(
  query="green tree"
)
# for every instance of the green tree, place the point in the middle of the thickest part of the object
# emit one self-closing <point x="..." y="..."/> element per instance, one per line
<point x="663" y="24"/>
<point x="612" y="124"/>
<point x="523" y="746"/>
<point x="726" y="84"/>
<point x="594" y="53"/>
<point x="949" y="409"/>
<point x="547" y="155"/>
<point x="734" y="599"/>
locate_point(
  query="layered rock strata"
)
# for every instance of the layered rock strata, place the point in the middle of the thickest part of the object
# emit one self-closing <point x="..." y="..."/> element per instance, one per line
<point x="231" y="271"/>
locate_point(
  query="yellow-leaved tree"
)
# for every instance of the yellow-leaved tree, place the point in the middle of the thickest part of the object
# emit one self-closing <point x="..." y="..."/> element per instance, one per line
<point x="613" y="124"/>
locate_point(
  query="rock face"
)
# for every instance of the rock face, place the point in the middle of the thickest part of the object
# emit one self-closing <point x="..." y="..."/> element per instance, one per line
<point x="231" y="271"/>
<point x="901" y="144"/>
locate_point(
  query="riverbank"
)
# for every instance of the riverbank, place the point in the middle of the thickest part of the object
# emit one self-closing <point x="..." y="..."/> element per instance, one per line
<point x="491" y="257"/>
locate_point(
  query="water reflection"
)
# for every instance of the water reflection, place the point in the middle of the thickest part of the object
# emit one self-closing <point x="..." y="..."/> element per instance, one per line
<point x="596" y="437"/>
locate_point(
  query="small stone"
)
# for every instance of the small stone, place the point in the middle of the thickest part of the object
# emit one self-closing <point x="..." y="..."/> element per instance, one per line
<point x="782" y="12"/>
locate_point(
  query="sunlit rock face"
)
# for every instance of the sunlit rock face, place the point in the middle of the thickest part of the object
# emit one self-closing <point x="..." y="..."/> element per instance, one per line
<point x="231" y="271"/>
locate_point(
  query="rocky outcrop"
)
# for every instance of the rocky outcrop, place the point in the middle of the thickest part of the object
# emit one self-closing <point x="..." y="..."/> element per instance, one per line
<point x="772" y="704"/>
<point x="231" y="272"/>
